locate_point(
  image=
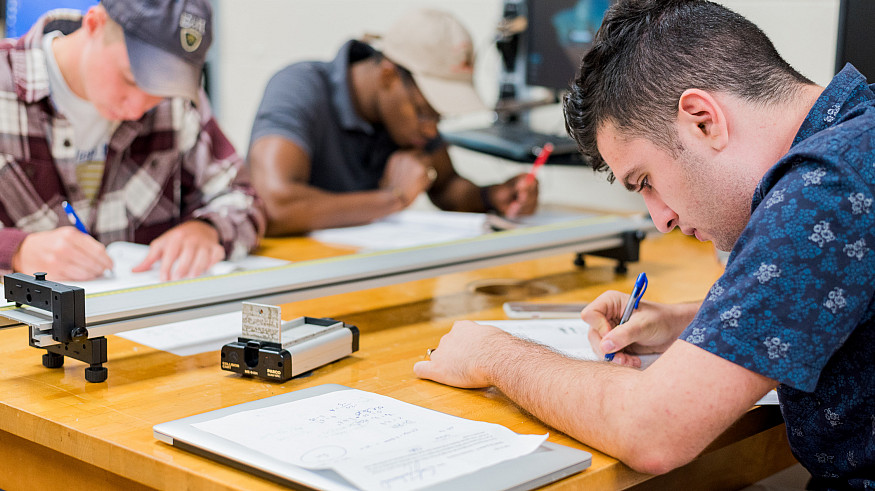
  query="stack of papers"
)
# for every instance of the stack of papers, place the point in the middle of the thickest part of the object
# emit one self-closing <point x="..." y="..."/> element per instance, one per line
<point x="375" y="442"/>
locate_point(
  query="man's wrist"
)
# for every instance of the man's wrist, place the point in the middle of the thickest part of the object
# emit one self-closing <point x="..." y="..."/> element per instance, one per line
<point x="687" y="311"/>
<point x="683" y="314"/>
<point x="11" y="245"/>
<point x="206" y="221"/>
<point x="15" y="262"/>
<point x="396" y="197"/>
<point x="500" y="348"/>
<point x="488" y="205"/>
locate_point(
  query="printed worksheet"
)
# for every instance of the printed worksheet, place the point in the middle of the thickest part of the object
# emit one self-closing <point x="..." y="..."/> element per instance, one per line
<point x="567" y="336"/>
<point x="126" y="255"/>
<point x="373" y="441"/>
<point x="570" y="337"/>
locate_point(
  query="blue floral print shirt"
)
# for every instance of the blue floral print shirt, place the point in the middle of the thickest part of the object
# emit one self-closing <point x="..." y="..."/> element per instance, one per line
<point x="797" y="300"/>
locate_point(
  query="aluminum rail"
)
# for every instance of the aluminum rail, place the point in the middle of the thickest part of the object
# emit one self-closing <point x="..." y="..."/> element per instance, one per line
<point x="122" y="310"/>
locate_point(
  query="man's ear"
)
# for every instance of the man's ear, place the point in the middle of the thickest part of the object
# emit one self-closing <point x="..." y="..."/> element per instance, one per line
<point x="388" y="74"/>
<point x="94" y="19"/>
<point x="701" y="118"/>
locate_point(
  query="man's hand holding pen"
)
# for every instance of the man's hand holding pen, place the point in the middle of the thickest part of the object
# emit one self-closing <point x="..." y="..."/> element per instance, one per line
<point x="525" y="187"/>
<point x="652" y="329"/>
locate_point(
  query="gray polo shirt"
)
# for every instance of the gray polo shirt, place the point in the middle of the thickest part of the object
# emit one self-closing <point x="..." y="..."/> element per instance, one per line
<point x="310" y="104"/>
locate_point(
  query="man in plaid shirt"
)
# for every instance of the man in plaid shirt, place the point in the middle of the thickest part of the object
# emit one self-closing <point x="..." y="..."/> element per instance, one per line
<point x="104" y="111"/>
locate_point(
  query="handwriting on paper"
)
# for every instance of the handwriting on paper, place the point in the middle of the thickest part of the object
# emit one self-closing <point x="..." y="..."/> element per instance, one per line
<point x="373" y="441"/>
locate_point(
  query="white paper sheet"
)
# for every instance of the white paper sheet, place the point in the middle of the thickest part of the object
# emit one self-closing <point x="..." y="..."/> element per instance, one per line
<point x="570" y="337"/>
<point x="770" y="399"/>
<point x="180" y="338"/>
<point x="373" y="441"/>
<point x="190" y="337"/>
<point x="126" y="255"/>
<point x="408" y="228"/>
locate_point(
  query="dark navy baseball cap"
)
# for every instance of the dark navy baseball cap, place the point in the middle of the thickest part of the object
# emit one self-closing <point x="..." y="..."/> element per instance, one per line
<point x="167" y="42"/>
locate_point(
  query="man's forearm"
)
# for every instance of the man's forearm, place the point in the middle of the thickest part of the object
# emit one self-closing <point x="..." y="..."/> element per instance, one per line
<point x="653" y="420"/>
<point x="303" y="209"/>
<point x="591" y="401"/>
<point x="458" y="194"/>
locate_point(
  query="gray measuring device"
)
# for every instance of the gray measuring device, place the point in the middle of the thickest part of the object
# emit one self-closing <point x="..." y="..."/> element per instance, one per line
<point x="271" y="349"/>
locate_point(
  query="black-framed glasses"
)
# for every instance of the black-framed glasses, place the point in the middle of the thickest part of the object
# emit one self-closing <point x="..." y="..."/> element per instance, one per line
<point x="424" y="112"/>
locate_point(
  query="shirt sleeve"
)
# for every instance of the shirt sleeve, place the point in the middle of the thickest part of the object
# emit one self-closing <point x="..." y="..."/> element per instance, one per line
<point x="799" y="280"/>
<point x="10" y="241"/>
<point x="216" y="186"/>
<point x="26" y="189"/>
<point x="290" y="106"/>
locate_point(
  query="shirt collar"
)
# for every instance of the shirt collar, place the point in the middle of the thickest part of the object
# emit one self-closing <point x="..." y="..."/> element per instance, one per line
<point x="341" y="94"/>
<point x="846" y="90"/>
<point x="29" y="69"/>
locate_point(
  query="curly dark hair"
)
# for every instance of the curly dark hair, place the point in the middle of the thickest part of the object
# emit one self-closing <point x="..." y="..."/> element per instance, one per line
<point x="648" y="52"/>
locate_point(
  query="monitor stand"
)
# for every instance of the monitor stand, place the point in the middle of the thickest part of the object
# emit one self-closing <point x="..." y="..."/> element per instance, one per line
<point x="511" y="137"/>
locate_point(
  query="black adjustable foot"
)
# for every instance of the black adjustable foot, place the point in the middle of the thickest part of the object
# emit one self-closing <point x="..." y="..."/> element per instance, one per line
<point x="626" y="252"/>
<point x="96" y="374"/>
<point x="53" y="360"/>
<point x="91" y="351"/>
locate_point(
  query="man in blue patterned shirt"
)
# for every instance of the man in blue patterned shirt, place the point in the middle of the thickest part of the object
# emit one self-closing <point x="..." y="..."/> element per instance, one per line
<point x="690" y="105"/>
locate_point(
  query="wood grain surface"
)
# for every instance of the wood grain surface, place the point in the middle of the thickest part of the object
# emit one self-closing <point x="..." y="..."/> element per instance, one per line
<point x="57" y="429"/>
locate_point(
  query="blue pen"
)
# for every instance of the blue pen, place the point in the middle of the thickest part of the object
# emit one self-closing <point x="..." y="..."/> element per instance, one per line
<point x="637" y="293"/>
<point x="71" y="214"/>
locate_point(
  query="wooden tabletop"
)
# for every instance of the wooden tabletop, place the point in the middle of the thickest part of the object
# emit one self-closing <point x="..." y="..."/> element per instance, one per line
<point x="55" y="428"/>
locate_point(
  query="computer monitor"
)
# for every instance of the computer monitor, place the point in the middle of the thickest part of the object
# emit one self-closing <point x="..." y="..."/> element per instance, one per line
<point x="559" y="33"/>
<point x="20" y="15"/>
<point x="856" y="36"/>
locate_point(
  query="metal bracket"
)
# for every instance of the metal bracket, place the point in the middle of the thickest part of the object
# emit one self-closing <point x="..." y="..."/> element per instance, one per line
<point x="55" y="313"/>
<point x="627" y="251"/>
<point x="271" y="349"/>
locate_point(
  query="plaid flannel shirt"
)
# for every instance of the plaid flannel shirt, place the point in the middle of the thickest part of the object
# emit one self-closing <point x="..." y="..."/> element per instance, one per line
<point x="172" y="165"/>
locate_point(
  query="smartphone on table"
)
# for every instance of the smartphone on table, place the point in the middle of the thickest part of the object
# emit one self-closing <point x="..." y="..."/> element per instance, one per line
<point x="542" y="310"/>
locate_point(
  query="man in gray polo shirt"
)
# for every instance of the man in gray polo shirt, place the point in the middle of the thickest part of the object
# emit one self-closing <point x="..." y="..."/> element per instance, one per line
<point x="346" y="142"/>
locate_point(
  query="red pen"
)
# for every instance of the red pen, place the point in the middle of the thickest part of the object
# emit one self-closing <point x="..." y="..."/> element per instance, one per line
<point x="539" y="162"/>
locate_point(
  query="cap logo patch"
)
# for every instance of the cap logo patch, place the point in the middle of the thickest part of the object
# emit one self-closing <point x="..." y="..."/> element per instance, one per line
<point x="190" y="39"/>
<point x="191" y="31"/>
<point x="465" y="58"/>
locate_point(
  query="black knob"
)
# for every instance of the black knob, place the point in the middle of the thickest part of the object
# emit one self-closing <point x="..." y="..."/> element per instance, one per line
<point x="96" y="374"/>
<point x="39" y="276"/>
<point x="53" y="360"/>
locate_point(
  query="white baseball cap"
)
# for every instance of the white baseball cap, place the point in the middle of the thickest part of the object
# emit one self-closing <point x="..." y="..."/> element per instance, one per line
<point x="437" y="49"/>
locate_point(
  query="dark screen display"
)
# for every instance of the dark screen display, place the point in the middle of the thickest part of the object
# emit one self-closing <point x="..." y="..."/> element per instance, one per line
<point x="559" y="33"/>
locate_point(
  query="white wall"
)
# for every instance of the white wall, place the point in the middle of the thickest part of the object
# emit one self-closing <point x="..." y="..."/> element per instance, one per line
<point x="255" y="38"/>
